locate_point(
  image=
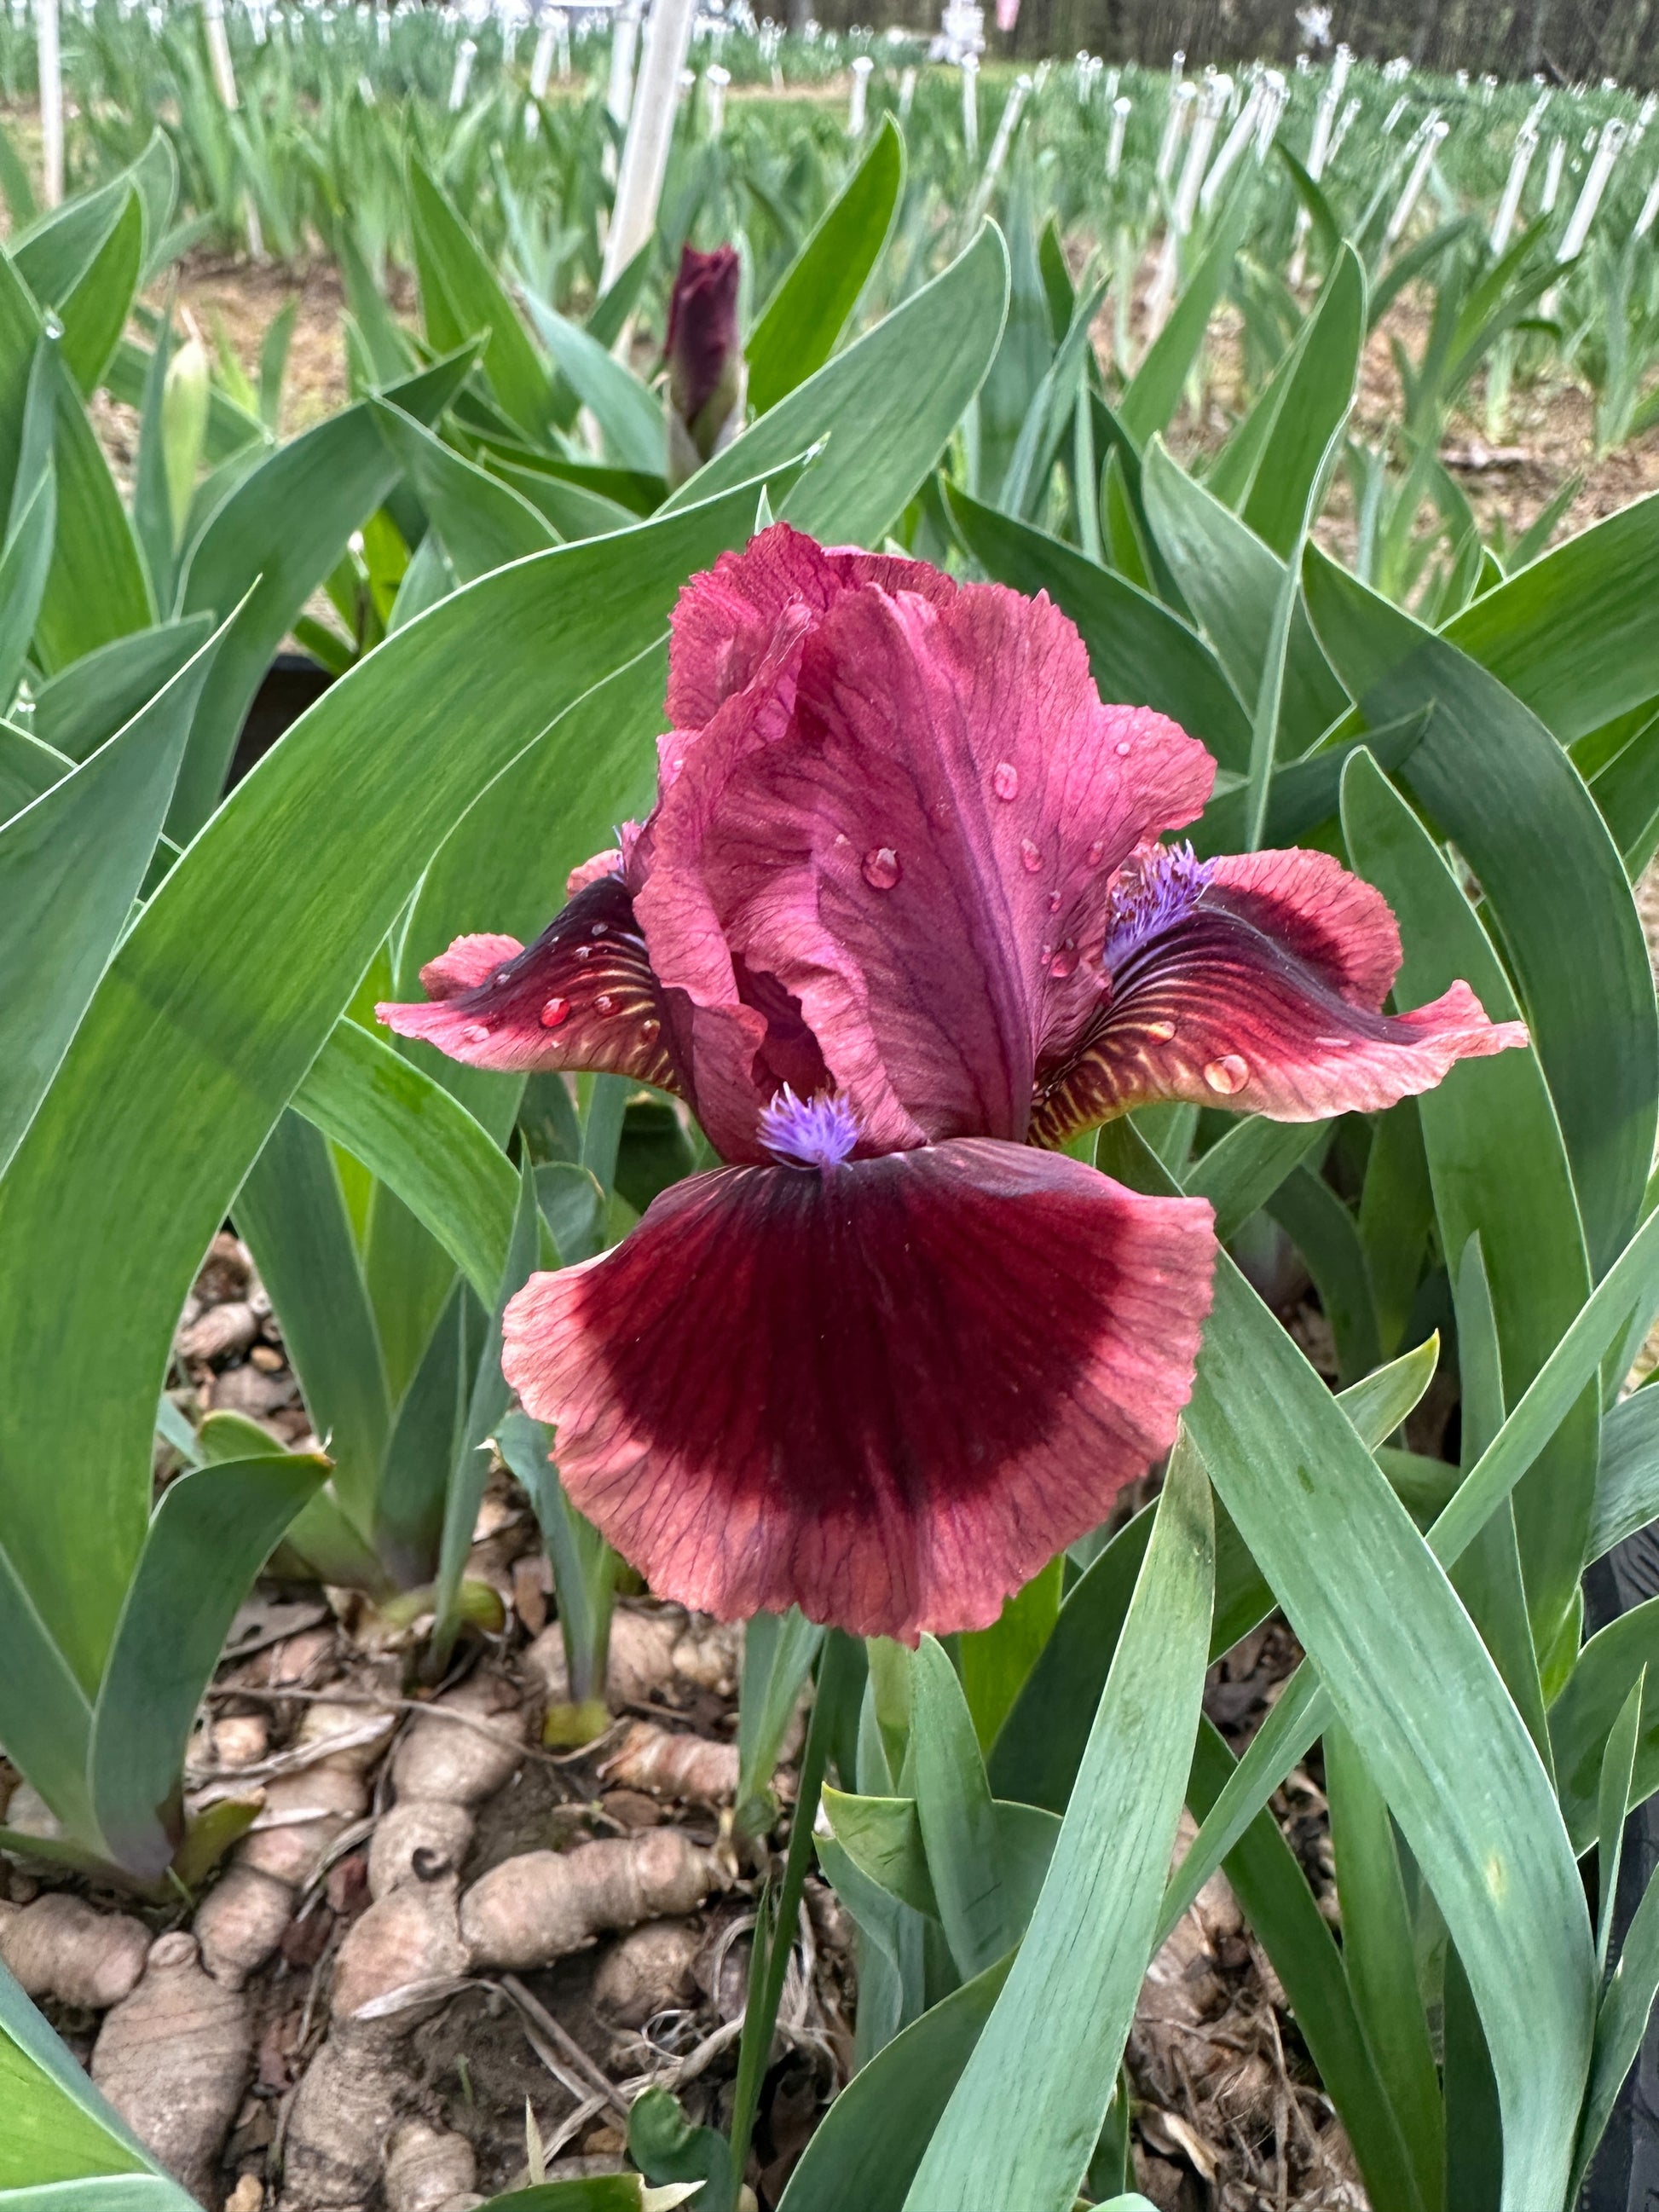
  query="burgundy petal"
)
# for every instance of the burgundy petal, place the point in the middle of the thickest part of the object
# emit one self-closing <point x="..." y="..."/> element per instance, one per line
<point x="723" y="1016"/>
<point x="887" y="1393"/>
<point x="1261" y="993"/>
<point x="703" y="327"/>
<point x="582" y="996"/>
<point x="724" y="624"/>
<point x="1337" y="923"/>
<point x="919" y="851"/>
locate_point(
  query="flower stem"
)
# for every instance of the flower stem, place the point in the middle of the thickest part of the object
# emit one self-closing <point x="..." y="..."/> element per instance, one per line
<point x="838" y="1673"/>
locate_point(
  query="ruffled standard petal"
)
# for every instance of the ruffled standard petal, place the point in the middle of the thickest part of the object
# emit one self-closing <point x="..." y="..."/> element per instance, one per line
<point x="737" y="1033"/>
<point x="725" y="618"/>
<point x="1258" y="988"/>
<point x="582" y="996"/>
<point x="887" y="1393"/>
<point x="921" y="859"/>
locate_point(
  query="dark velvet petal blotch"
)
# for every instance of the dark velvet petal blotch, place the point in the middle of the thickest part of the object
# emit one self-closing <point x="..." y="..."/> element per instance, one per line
<point x="887" y="1393"/>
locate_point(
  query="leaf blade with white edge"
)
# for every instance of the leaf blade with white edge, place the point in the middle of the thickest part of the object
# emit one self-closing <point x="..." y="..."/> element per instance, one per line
<point x="60" y="919"/>
<point x="1627" y="1479"/>
<point x="274" y="538"/>
<point x="935" y="348"/>
<point x="955" y="1813"/>
<point x="59" y="2129"/>
<point x="212" y="1532"/>
<point x="796" y="331"/>
<point x="630" y="417"/>
<point x="870" y="2143"/>
<point x="1613" y="1795"/>
<point x="1460" y="1773"/>
<point x="281" y="886"/>
<point x="415" y="1136"/>
<point x="1620" y="2024"/>
<point x="1024" y="2119"/>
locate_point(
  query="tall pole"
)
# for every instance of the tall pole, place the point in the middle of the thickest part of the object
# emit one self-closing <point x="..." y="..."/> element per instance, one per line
<point x="218" y="47"/>
<point x="650" y="129"/>
<point x="51" y="71"/>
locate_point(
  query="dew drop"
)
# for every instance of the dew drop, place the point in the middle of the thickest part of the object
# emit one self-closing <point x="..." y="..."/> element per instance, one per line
<point x="881" y="867"/>
<point x="598" y="930"/>
<point x="649" y="1028"/>
<point x="1030" y="859"/>
<point x="476" y="1033"/>
<point x="1123" y="749"/>
<point x="1227" y="1074"/>
<point x="1063" y="961"/>
<point x="583" y="952"/>
<point x="1096" y="854"/>
<point x="502" y="976"/>
<point x="1336" y="1044"/>
<point x="50" y="324"/>
<point x="1004" y="780"/>
<point x="555" y="1011"/>
<point x="1053" y="902"/>
<point x="1160" y="1032"/>
<point x="604" y="1003"/>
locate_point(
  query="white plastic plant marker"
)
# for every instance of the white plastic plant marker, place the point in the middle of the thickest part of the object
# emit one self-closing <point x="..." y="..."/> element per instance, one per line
<point x="862" y="65"/>
<point x="650" y="130"/>
<point x="51" y="71"/>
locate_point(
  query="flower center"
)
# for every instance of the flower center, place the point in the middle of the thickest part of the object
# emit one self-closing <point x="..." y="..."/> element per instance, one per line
<point x="809" y="1133"/>
<point x="1154" y="890"/>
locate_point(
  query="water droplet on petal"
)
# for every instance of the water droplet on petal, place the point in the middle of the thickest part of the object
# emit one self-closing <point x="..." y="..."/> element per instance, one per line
<point x="1004" y="780"/>
<point x="881" y="867"/>
<point x="1227" y="1074"/>
<point x="1336" y="1044"/>
<point x="1030" y="859"/>
<point x="476" y="1033"/>
<point x="598" y="930"/>
<point x="604" y="1004"/>
<point x="555" y="1011"/>
<point x="1160" y="1032"/>
<point x="583" y="952"/>
<point x="1124" y="748"/>
<point x="1053" y="902"/>
<point x="1063" y="961"/>
<point x="649" y="1028"/>
<point x="1096" y="854"/>
<point x="50" y="324"/>
<point x="502" y="976"/>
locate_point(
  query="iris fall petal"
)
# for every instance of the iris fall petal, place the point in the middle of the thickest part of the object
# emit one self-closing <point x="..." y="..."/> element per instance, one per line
<point x="1261" y="990"/>
<point x="887" y="1393"/>
<point x="582" y="996"/>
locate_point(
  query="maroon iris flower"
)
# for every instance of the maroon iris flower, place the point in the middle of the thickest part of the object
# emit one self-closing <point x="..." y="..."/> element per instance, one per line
<point x="706" y="375"/>
<point x="899" y="923"/>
